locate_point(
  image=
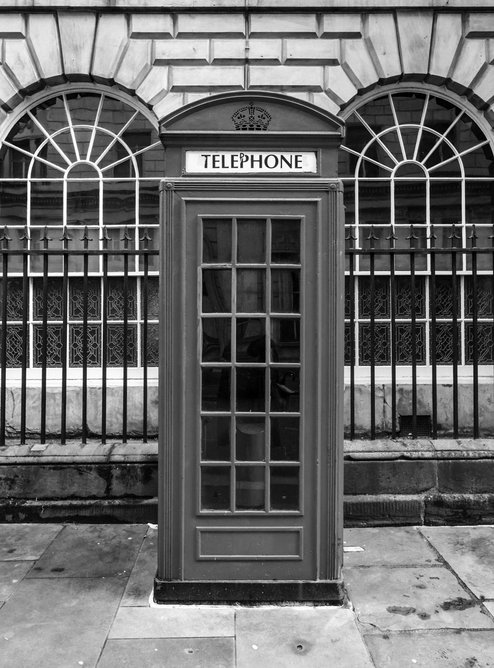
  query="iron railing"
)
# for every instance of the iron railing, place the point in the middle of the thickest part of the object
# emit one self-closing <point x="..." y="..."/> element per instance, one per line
<point x="78" y="330"/>
<point x="78" y="339"/>
<point x="419" y="335"/>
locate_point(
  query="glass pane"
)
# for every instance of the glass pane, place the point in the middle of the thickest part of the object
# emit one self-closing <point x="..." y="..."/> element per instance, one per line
<point x="46" y="203"/>
<point x="285" y="390"/>
<point x="115" y="301"/>
<point x="215" y="488"/>
<point x="93" y="346"/>
<point x="49" y="240"/>
<point x="481" y="239"/>
<point x="216" y="389"/>
<point x="442" y="344"/>
<point x="251" y="340"/>
<point x="15" y="298"/>
<point x="149" y="200"/>
<point x="251" y="241"/>
<point x="284" y="488"/>
<point x="484" y="296"/>
<point x="76" y="299"/>
<point x="285" y="340"/>
<point x="82" y="202"/>
<point x="216" y="290"/>
<point x="250" y="487"/>
<point x="13" y="203"/>
<point x="285" y="241"/>
<point x="217" y="240"/>
<point x="250" y="389"/>
<point x="285" y="437"/>
<point x="406" y="349"/>
<point x="118" y="338"/>
<point x="377" y="351"/>
<point x="410" y="202"/>
<point x="53" y="299"/>
<point x="482" y="343"/>
<point x="216" y="340"/>
<point x="119" y="200"/>
<point x="150" y="347"/>
<point x="374" y="202"/>
<point x="285" y="290"/>
<point x="215" y="438"/>
<point x="14" y="352"/>
<point x="152" y="297"/>
<point x="373" y="297"/>
<point x="17" y="242"/>
<point x="47" y="350"/>
<point x="250" y="439"/>
<point x="149" y="240"/>
<point x="78" y="239"/>
<point x="251" y="291"/>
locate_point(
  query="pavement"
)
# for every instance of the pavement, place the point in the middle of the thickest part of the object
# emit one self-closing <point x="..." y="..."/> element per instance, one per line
<point x="79" y="595"/>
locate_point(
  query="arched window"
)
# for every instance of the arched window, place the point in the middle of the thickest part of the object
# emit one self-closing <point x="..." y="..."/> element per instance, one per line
<point x="418" y="174"/>
<point x="80" y="171"/>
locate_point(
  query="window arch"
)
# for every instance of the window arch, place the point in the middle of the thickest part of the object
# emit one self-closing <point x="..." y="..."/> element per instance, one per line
<point x="418" y="173"/>
<point x="80" y="170"/>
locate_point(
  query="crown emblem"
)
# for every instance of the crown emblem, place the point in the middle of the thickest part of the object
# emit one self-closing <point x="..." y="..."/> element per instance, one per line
<point x="251" y="118"/>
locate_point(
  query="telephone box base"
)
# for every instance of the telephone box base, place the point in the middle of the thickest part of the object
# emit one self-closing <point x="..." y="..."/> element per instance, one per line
<point x="327" y="592"/>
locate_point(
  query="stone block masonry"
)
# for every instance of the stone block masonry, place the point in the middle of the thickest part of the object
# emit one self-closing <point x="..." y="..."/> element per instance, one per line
<point x="327" y="56"/>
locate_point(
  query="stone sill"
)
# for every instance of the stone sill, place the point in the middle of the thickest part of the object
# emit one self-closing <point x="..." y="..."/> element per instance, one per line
<point x="241" y="5"/>
<point x="134" y="452"/>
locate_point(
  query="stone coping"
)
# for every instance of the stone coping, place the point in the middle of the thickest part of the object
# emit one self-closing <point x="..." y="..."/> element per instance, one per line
<point x="135" y="451"/>
<point x="222" y="5"/>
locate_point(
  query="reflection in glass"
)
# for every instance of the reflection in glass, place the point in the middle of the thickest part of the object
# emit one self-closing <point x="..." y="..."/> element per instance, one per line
<point x="249" y="487"/>
<point x="250" y="438"/>
<point x="217" y="240"/>
<point x="285" y="438"/>
<point x="284" y="487"/>
<point x="216" y="291"/>
<point x="285" y="390"/>
<point x="251" y="290"/>
<point x="250" y="389"/>
<point x="46" y="202"/>
<point x="216" y="340"/>
<point x="251" y="340"/>
<point x="13" y="203"/>
<point x="119" y="200"/>
<point x="251" y="241"/>
<point x="215" y="438"/>
<point x="215" y="488"/>
<point x="285" y="338"/>
<point x="285" y="241"/>
<point x="216" y="389"/>
<point x="285" y="290"/>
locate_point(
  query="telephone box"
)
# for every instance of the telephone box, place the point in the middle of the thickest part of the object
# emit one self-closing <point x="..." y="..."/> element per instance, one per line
<point x="251" y="353"/>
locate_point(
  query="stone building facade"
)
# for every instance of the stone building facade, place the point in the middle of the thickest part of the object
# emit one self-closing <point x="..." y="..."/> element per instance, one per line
<point x="414" y="82"/>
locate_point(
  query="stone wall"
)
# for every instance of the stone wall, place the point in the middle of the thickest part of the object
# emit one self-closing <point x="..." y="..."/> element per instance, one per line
<point x="168" y="58"/>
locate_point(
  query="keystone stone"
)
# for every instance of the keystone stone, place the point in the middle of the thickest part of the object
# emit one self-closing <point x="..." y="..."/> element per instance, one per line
<point x="415" y="30"/>
<point x="77" y="36"/>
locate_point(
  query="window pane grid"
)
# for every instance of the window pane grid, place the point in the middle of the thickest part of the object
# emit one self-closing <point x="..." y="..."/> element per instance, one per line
<point x="250" y="374"/>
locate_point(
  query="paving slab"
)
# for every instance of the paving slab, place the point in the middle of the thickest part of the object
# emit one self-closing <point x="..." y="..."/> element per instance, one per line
<point x="435" y="649"/>
<point x="174" y="621"/>
<point x="401" y="599"/>
<point x="390" y="546"/>
<point x="91" y="550"/>
<point x="57" y="623"/>
<point x="141" y="581"/>
<point x="26" y="541"/>
<point x="470" y="552"/>
<point x="310" y="636"/>
<point x="169" y="652"/>
<point x="11" y="573"/>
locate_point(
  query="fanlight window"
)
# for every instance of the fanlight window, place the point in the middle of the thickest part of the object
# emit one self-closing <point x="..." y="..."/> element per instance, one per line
<point x="81" y="171"/>
<point x="418" y="175"/>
